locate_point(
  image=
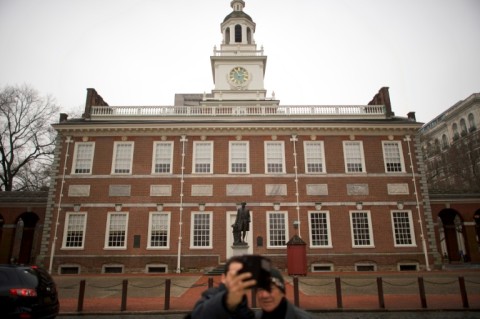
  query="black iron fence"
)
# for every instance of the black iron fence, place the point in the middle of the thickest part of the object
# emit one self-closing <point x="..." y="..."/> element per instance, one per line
<point x="306" y="290"/>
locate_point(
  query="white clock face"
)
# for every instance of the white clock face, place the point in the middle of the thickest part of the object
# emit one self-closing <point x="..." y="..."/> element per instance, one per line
<point x="238" y="75"/>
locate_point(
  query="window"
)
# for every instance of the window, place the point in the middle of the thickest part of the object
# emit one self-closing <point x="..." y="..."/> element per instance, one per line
<point x="361" y="229"/>
<point x="319" y="229"/>
<point x="321" y="267"/>
<point x="403" y="228"/>
<point x="69" y="270"/>
<point x="393" y="156"/>
<point x="314" y="159"/>
<point x="162" y="157"/>
<point x="116" y="230"/>
<point x="365" y="267"/>
<point x="471" y="123"/>
<point x="112" y="269"/>
<point x="463" y="127"/>
<point x="158" y="230"/>
<point x="74" y="233"/>
<point x="201" y="236"/>
<point x="444" y="141"/>
<point x="122" y="158"/>
<point x="437" y="145"/>
<point x="274" y="157"/>
<point x="238" y="33"/>
<point x="157" y="269"/>
<point x="239" y="157"/>
<point x="455" y="131"/>
<point x="407" y="266"/>
<point x="83" y="158"/>
<point x="354" y="159"/>
<point x="203" y="157"/>
<point x="277" y="229"/>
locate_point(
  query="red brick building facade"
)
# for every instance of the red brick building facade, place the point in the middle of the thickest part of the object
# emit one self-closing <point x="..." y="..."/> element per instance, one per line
<point x="149" y="189"/>
<point x="22" y="215"/>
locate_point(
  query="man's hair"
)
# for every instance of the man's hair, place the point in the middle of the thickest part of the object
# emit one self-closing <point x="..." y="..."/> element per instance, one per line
<point x="231" y="260"/>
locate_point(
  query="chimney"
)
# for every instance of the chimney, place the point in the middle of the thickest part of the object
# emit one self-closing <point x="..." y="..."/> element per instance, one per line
<point x="411" y="116"/>
<point x="93" y="99"/>
<point x="63" y="117"/>
<point x="383" y="98"/>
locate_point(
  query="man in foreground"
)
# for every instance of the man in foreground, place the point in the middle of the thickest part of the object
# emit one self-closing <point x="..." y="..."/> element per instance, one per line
<point x="229" y="300"/>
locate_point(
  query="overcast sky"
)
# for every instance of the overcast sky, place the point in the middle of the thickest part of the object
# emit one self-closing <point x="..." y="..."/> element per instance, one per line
<point x="320" y="52"/>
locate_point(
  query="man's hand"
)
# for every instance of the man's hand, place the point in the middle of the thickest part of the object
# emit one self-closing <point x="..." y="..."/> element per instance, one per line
<point x="237" y="285"/>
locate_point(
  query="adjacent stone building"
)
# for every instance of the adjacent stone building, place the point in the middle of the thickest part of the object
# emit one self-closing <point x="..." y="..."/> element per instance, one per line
<point x="451" y="149"/>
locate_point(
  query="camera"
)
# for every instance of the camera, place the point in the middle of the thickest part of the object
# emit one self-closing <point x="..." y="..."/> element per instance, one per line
<point x="259" y="267"/>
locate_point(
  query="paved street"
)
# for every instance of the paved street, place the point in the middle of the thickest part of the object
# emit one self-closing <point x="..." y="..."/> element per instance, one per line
<point x="321" y="315"/>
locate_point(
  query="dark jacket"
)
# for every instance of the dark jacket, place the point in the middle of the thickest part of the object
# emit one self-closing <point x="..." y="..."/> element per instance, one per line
<point x="292" y="313"/>
<point x="212" y="306"/>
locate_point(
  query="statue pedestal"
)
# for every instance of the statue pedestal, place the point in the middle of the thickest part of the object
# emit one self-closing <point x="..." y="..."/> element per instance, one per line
<point x="239" y="250"/>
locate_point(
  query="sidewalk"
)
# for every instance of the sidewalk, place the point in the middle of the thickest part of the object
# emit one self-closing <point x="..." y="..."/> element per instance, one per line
<point x="146" y="293"/>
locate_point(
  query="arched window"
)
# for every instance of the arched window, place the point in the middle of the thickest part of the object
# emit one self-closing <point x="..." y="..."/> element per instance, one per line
<point x="437" y="145"/>
<point x="471" y="122"/>
<point x="429" y="149"/>
<point x="238" y="33"/>
<point x="444" y="141"/>
<point x="227" y="36"/>
<point x="249" y="36"/>
<point x="463" y="127"/>
<point x="455" y="131"/>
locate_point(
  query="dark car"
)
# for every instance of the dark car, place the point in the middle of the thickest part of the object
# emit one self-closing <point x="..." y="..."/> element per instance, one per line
<point x="27" y="292"/>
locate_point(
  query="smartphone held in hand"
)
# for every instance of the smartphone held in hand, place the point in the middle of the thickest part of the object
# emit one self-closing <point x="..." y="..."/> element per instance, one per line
<point x="260" y="268"/>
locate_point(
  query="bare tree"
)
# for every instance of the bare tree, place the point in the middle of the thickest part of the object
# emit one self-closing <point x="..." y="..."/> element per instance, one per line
<point x="27" y="140"/>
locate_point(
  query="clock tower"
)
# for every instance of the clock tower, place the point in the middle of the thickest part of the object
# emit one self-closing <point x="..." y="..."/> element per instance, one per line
<point x="238" y="68"/>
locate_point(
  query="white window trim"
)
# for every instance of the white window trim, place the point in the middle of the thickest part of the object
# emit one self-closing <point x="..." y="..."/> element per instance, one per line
<point x="149" y="245"/>
<point x="412" y="229"/>
<point x="362" y="154"/>
<point x="322" y="147"/>
<point x="195" y="157"/>
<point x="370" y="229"/>
<point x="400" y="152"/>
<point x="107" y="233"/>
<point x="365" y="264"/>
<point x="154" y="159"/>
<point x="247" y="155"/>
<point x="114" y="158"/>
<point x="266" y="157"/>
<point x="329" y="229"/>
<point x="285" y="213"/>
<point x="105" y="266"/>
<point x="65" y="230"/>
<point x="210" y="215"/>
<point x="74" y="164"/>
<point x="330" y="265"/>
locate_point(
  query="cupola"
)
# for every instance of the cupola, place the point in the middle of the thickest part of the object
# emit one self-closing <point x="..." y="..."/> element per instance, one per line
<point x="238" y="27"/>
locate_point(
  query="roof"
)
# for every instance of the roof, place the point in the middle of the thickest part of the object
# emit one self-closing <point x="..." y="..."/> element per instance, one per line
<point x="23" y="197"/>
<point x="239" y="15"/>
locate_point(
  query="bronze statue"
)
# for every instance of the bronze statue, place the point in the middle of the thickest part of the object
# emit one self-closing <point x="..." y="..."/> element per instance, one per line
<point x="241" y="225"/>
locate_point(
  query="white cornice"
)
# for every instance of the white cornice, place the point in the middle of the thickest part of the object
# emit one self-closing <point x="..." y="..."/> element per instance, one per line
<point x="235" y="128"/>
